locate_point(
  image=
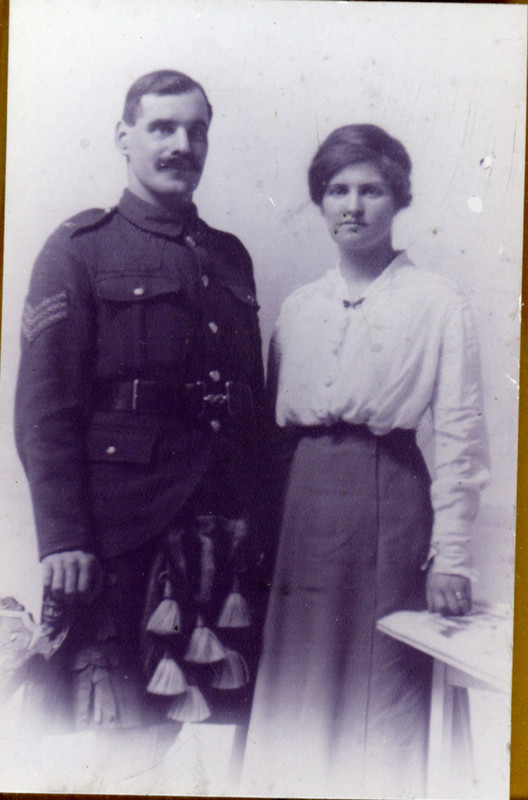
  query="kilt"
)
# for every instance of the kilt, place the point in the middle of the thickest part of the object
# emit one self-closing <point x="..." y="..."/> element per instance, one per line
<point x="169" y="639"/>
<point x="339" y="708"/>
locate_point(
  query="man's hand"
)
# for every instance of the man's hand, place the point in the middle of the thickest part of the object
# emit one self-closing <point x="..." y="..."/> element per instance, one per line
<point x="74" y="572"/>
<point x="448" y="594"/>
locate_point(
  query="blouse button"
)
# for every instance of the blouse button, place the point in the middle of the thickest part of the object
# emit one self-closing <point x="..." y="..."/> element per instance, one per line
<point x="213" y="327"/>
<point x="138" y="291"/>
<point x="214" y="375"/>
<point x="215" y="425"/>
<point x="110" y="450"/>
<point x="205" y="280"/>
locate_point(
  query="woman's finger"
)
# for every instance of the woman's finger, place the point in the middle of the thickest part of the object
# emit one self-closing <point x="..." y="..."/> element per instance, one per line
<point x="439" y="603"/>
<point x="453" y="602"/>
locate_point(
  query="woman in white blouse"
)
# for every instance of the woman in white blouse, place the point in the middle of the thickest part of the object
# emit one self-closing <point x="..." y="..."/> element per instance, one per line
<point x="357" y="359"/>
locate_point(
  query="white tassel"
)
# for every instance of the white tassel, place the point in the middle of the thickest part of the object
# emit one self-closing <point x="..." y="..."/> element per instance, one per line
<point x="168" y="679"/>
<point x="166" y="619"/>
<point x="204" y="647"/>
<point x="233" y="672"/>
<point x="235" y="613"/>
<point x="190" y="707"/>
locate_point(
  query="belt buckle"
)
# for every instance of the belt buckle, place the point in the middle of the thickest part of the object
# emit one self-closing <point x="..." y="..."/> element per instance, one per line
<point x="239" y="400"/>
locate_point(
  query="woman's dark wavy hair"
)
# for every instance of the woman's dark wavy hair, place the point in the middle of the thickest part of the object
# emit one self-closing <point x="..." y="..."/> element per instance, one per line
<point x="354" y="143"/>
<point x="161" y="82"/>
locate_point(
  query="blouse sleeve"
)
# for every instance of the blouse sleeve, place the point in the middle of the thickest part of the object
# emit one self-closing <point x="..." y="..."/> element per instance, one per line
<point x="460" y="443"/>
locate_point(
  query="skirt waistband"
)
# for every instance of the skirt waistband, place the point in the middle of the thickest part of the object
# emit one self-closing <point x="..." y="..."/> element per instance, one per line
<point x="340" y="430"/>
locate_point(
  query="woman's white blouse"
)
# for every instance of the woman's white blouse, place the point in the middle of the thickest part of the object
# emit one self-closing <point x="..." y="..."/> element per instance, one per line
<point x="408" y="345"/>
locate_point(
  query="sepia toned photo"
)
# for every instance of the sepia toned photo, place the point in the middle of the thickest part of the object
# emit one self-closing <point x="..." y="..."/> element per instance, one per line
<point x="259" y="397"/>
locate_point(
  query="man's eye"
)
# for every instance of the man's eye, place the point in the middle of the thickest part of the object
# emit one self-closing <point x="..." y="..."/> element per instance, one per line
<point x="162" y="127"/>
<point x="198" y="134"/>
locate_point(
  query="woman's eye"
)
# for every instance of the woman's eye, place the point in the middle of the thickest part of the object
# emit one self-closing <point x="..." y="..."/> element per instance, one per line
<point x="373" y="191"/>
<point x="336" y="190"/>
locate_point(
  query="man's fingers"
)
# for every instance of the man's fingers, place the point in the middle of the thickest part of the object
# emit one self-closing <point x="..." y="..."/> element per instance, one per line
<point x="75" y="572"/>
<point x="84" y="577"/>
<point x="57" y="581"/>
<point x="47" y="573"/>
<point x="89" y="575"/>
<point x="71" y="574"/>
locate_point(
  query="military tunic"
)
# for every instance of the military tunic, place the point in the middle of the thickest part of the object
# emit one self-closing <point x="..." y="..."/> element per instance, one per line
<point x="121" y="301"/>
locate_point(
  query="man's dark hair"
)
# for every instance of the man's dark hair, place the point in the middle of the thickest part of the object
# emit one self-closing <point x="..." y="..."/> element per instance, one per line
<point x="161" y="82"/>
<point x="354" y="143"/>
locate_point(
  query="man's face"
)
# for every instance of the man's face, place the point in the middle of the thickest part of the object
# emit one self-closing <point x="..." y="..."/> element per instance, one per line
<point x="166" y="147"/>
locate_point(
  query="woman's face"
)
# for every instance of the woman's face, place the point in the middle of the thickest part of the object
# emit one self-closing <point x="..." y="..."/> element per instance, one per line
<point x="359" y="207"/>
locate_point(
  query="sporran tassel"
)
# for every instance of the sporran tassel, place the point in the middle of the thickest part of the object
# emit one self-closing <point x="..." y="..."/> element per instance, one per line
<point x="235" y="613"/>
<point x="233" y="672"/>
<point x="204" y="647"/>
<point x="168" y="678"/>
<point x="190" y="707"/>
<point x="166" y="618"/>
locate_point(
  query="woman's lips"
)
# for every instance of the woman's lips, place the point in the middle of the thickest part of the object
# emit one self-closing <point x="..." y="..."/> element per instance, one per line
<point x="355" y="227"/>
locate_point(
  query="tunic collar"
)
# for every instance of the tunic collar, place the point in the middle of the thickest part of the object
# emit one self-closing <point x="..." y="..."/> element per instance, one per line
<point x="158" y="220"/>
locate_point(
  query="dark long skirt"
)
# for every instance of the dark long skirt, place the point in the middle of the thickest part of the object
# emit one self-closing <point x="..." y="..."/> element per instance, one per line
<point x="339" y="708"/>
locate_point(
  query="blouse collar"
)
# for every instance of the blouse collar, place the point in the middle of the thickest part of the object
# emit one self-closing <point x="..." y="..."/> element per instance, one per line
<point x="383" y="281"/>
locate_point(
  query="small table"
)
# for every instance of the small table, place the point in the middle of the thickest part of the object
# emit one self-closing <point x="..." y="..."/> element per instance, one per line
<point x="473" y="651"/>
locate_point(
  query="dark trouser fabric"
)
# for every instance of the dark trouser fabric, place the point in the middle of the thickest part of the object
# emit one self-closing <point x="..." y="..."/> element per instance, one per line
<point x="340" y="709"/>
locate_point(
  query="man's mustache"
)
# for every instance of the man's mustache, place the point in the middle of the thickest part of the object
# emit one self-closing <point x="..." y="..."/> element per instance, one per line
<point x="187" y="162"/>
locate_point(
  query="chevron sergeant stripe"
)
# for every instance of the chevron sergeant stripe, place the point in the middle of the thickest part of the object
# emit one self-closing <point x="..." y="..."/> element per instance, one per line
<point x="35" y="319"/>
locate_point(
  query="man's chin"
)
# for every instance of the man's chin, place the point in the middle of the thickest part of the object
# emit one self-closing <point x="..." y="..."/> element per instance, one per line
<point x="182" y="186"/>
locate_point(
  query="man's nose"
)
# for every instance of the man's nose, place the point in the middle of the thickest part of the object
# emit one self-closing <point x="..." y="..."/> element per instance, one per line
<point x="180" y="141"/>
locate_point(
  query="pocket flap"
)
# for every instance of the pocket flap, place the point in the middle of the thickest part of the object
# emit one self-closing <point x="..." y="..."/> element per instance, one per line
<point x="133" y="288"/>
<point x="244" y="293"/>
<point x="121" y="444"/>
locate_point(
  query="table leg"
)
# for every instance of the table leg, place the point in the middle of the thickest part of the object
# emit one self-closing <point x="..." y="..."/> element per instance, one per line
<point x="440" y="725"/>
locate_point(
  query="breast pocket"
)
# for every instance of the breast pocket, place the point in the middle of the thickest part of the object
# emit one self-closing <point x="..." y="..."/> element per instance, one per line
<point x="144" y="322"/>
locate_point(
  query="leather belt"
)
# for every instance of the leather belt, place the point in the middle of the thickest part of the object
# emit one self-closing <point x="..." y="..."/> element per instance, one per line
<point x="189" y="400"/>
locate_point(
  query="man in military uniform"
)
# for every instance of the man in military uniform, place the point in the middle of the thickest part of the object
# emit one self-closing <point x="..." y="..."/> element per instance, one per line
<point x="137" y="410"/>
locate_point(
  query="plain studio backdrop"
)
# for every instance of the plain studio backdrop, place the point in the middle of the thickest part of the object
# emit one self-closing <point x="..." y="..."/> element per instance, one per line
<point x="448" y="80"/>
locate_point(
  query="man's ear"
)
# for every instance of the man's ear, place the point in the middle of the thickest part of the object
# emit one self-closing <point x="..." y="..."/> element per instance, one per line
<point x="121" y="137"/>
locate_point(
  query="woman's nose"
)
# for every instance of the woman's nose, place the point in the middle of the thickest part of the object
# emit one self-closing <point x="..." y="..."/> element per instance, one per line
<point x="354" y="202"/>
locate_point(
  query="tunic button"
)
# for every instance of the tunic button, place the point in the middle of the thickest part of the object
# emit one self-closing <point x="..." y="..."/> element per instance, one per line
<point x="205" y="280"/>
<point x="213" y="327"/>
<point x="215" y="425"/>
<point x="110" y="450"/>
<point x="214" y="375"/>
<point x="138" y="291"/>
<point x="189" y="241"/>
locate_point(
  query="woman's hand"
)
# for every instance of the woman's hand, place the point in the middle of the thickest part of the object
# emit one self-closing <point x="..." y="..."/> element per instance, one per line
<point x="448" y="594"/>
